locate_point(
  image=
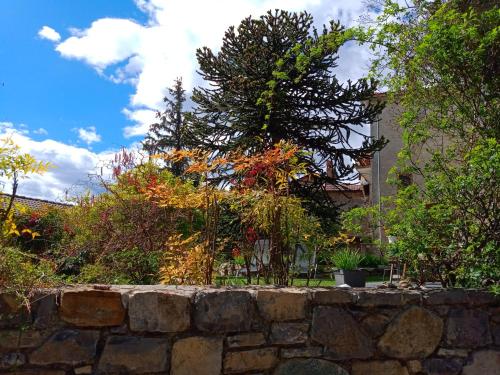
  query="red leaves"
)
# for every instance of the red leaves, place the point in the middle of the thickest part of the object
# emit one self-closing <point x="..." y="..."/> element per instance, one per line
<point x="270" y="170"/>
<point x="236" y="252"/>
<point x="68" y="229"/>
<point x="117" y="171"/>
<point x="251" y="235"/>
<point x="152" y="182"/>
<point x="249" y="181"/>
<point x="34" y="219"/>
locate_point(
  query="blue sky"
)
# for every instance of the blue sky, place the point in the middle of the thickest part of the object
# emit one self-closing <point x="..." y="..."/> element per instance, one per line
<point x="81" y="78"/>
<point x="43" y="90"/>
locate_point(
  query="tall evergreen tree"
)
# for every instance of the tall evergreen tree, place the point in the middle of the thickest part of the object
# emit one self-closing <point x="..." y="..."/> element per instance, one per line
<point x="274" y="79"/>
<point x="169" y="133"/>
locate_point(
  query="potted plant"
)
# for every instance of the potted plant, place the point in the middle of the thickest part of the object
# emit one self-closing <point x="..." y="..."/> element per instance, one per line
<point x="347" y="262"/>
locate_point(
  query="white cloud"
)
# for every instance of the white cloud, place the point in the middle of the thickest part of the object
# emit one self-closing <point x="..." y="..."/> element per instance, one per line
<point x="142" y="119"/>
<point x="71" y="165"/>
<point x="49" y="33"/>
<point x="88" y="135"/>
<point x="107" y="41"/>
<point x="41" y="131"/>
<point x="152" y="55"/>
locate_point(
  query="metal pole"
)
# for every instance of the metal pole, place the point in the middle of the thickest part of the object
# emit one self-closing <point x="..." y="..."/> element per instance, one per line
<point x="378" y="188"/>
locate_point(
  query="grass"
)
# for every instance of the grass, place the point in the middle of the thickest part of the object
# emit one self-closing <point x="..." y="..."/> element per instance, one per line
<point x="240" y="281"/>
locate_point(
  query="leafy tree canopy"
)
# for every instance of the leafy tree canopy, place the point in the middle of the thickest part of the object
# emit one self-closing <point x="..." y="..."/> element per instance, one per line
<point x="440" y="61"/>
<point x="14" y="166"/>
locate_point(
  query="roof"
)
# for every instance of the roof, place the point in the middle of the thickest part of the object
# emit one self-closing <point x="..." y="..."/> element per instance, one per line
<point x="343" y="187"/>
<point x="35" y="203"/>
<point x="364" y="162"/>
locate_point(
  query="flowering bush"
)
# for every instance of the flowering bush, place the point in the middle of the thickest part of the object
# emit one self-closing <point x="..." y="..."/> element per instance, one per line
<point x="21" y="274"/>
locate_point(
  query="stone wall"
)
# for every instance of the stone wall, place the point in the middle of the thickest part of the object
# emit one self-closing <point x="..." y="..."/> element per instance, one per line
<point x="279" y="331"/>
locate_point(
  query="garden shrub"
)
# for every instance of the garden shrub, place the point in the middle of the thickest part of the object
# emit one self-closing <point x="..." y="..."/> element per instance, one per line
<point x="444" y="232"/>
<point x="23" y="274"/>
<point x="439" y="62"/>
<point x="372" y="261"/>
<point x="258" y="205"/>
<point x="121" y="233"/>
<point x="48" y="223"/>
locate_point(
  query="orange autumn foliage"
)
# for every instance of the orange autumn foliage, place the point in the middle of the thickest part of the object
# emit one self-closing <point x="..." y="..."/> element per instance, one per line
<point x="191" y="260"/>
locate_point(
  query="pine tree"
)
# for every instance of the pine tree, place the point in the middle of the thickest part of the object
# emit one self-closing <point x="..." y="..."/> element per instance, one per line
<point x="273" y="79"/>
<point x="169" y="133"/>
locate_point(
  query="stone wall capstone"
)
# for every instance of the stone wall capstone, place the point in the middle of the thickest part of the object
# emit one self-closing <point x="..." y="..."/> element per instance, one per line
<point x="255" y="330"/>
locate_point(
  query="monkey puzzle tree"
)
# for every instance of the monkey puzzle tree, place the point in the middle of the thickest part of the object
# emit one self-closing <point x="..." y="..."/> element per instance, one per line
<point x="274" y="79"/>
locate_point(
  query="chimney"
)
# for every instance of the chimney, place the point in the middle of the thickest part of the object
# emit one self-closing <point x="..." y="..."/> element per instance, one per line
<point x="330" y="171"/>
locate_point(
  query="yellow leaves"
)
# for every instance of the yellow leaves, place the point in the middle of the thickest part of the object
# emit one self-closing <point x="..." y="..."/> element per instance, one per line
<point x="177" y="155"/>
<point x="10" y="228"/>
<point x="203" y="165"/>
<point x="198" y="161"/>
<point x="30" y="232"/>
<point x="12" y="231"/>
<point x="272" y="169"/>
<point x="198" y="167"/>
<point x="282" y="179"/>
<point x="186" y="261"/>
<point x="343" y="238"/>
<point x="180" y="195"/>
<point x="175" y="196"/>
<point x="13" y="163"/>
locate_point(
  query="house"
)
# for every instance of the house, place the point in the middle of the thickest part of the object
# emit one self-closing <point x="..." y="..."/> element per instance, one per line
<point x="346" y="195"/>
<point x="32" y="203"/>
<point x="374" y="172"/>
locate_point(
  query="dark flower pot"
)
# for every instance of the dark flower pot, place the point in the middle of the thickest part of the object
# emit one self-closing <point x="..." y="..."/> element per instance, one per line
<point x="354" y="278"/>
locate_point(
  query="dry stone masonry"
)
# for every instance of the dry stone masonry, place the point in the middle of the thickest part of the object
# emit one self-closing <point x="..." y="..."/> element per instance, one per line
<point x="266" y="330"/>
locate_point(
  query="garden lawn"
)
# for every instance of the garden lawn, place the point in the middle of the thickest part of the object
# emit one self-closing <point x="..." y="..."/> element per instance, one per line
<point x="239" y="280"/>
